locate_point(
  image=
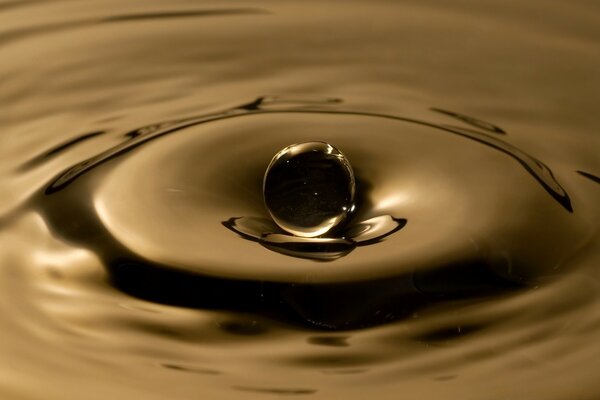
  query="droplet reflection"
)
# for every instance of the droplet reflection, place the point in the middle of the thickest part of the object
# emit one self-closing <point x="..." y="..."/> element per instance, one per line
<point x="309" y="188"/>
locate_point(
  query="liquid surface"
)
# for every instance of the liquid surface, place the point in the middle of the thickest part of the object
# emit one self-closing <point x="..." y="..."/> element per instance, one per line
<point x="138" y="260"/>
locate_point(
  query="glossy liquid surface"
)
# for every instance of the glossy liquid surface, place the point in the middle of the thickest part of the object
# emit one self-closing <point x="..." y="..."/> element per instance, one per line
<point x="138" y="260"/>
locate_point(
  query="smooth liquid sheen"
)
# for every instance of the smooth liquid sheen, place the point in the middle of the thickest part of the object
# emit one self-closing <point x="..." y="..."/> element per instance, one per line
<point x="138" y="259"/>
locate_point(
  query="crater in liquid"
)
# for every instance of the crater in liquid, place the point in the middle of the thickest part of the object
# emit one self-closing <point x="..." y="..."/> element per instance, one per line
<point x="160" y="198"/>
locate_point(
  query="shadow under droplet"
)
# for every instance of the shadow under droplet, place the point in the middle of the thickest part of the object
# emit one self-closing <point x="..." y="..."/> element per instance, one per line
<point x="270" y="236"/>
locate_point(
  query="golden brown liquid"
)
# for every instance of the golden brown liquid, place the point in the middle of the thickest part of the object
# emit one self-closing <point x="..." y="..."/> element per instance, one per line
<point x="132" y="132"/>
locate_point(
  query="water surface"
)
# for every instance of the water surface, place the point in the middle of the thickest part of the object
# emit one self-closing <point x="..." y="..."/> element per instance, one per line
<point x="137" y="259"/>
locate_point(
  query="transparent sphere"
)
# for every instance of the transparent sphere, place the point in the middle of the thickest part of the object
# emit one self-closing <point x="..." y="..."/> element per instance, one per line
<point x="309" y="188"/>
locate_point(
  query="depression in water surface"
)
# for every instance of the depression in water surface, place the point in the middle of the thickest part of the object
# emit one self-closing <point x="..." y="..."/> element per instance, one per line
<point x="147" y="253"/>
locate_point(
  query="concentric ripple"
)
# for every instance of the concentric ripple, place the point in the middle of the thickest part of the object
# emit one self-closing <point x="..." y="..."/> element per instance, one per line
<point x="138" y="260"/>
<point x="162" y="196"/>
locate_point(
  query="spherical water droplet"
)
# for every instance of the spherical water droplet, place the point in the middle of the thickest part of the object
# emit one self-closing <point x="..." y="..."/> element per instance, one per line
<point x="309" y="188"/>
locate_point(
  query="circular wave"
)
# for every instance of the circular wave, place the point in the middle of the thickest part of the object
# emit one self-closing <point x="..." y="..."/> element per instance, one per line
<point x="158" y="201"/>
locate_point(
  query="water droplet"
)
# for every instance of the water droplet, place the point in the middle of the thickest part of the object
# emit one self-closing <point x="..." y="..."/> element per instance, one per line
<point x="309" y="188"/>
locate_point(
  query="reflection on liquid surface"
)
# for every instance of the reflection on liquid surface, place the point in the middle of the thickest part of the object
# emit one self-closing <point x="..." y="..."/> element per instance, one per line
<point x="138" y="259"/>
